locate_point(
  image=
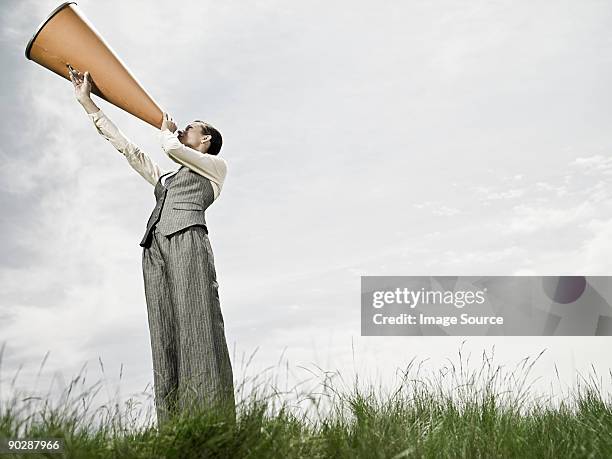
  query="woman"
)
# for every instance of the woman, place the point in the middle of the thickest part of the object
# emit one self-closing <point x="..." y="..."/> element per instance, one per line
<point x="191" y="363"/>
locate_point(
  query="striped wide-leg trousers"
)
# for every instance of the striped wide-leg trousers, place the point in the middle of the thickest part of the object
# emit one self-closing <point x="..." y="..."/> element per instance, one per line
<point x="191" y="364"/>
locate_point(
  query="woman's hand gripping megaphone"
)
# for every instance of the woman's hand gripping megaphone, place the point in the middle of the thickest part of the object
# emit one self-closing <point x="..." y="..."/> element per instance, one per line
<point x="81" y="82"/>
<point x="168" y="123"/>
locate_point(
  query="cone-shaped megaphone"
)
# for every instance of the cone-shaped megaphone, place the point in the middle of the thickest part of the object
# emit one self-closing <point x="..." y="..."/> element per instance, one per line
<point x="66" y="37"/>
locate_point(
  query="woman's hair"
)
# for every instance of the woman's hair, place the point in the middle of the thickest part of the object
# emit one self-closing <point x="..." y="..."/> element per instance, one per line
<point x="216" y="141"/>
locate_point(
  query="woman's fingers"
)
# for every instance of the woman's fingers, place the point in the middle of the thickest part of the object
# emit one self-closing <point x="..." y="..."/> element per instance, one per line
<point x="74" y="80"/>
<point x="77" y="77"/>
<point x="168" y="118"/>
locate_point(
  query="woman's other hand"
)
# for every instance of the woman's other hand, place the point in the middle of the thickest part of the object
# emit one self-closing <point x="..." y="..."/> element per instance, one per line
<point x="168" y="123"/>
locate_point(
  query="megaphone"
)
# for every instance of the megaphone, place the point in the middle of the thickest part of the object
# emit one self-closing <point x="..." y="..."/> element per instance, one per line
<point x="66" y="38"/>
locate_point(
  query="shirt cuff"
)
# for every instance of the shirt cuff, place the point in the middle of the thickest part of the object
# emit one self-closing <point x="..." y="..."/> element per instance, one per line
<point x="162" y="134"/>
<point x="168" y="139"/>
<point x="95" y="116"/>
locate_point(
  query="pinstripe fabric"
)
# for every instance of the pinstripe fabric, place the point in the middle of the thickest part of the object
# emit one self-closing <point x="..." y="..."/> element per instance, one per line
<point x="181" y="202"/>
<point x="191" y="363"/>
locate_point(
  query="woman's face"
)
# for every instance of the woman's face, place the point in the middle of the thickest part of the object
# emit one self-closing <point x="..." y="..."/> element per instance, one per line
<point x="191" y="136"/>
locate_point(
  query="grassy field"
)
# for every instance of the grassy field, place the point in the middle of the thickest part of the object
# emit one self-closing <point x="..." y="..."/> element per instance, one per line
<point x="454" y="412"/>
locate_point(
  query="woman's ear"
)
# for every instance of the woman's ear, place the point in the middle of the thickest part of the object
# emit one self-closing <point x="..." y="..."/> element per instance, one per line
<point x="206" y="138"/>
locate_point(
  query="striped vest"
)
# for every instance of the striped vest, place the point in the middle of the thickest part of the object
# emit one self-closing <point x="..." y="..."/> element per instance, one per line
<point x="181" y="202"/>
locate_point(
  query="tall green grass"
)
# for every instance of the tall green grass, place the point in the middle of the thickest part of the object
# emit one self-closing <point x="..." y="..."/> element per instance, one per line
<point x="455" y="411"/>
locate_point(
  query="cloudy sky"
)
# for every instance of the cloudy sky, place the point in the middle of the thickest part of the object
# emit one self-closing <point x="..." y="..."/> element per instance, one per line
<point x="405" y="138"/>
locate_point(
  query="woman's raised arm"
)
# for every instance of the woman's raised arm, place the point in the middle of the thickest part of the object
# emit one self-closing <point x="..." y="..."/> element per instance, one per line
<point x="138" y="159"/>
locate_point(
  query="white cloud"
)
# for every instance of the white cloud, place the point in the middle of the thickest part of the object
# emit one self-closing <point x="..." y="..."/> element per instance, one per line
<point x="594" y="164"/>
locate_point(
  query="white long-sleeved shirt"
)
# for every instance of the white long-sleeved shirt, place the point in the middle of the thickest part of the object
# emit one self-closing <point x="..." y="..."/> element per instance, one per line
<point x="212" y="167"/>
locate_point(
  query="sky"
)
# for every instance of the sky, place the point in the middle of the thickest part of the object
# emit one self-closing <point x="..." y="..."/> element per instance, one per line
<point x="403" y="138"/>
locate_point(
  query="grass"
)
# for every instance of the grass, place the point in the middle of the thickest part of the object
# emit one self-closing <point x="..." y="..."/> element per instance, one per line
<point x="454" y="412"/>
